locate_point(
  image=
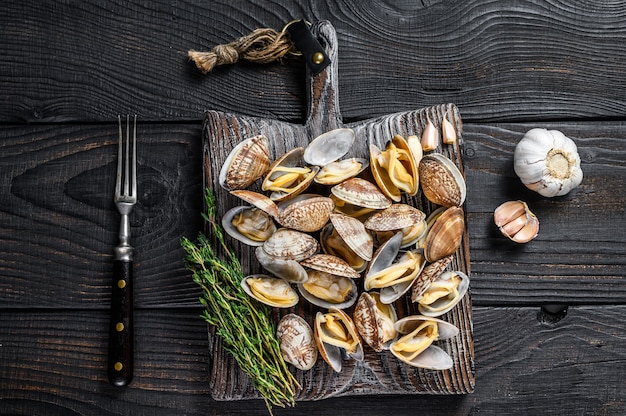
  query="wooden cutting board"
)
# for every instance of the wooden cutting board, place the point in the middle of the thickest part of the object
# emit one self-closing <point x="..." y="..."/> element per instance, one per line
<point x="378" y="373"/>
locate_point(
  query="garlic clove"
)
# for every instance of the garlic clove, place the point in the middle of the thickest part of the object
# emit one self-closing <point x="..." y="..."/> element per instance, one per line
<point x="448" y="132"/>
<point x="547" y="162"/>
<point x="516" y="221"/>
<point x="430" y="137"/>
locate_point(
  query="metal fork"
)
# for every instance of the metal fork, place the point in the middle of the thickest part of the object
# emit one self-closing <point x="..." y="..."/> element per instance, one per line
<point x="120" y="367"/>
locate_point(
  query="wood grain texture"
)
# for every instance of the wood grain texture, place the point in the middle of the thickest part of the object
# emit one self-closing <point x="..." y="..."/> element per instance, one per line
<point x="53" y="365"/>
<point x="511" y="60"/>
<point x="58" y="223"/>
<point x="377" y="373"/>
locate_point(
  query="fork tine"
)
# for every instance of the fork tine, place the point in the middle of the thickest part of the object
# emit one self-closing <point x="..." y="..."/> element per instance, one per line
<point x="118" y="177"/>
<point x="127" y="157"/>
<point x="134" y="169"/>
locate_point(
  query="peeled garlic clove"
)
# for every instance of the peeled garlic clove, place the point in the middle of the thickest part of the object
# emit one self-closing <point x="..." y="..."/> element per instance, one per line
<point x="516" y="221"/>
<point x="547" y="162"/>
<point x="448" y="132"/>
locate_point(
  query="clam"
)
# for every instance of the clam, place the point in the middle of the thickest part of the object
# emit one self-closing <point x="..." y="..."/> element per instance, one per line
<point x="269" y="290"/>
<point x="288" y="176"/>
<point x="393" y="274"/>
<point x="260" y="201"/>
<point x="341" y="170"/>
<point x="445" y="235"/>
<point x="415" y="345"/>
<point x="249" y="225"/>
<point x="375" y="320"/>
<point x="305" y="212"/>
<point x="362" y="193"/>
<point x="395" y="169"/>
<point x="398" y="217"/>
<point x="289" y="270"/>
<point x="442" y="182"/>
<point x="427" y="275"/>
<point x="330" y="264"/>
<point x="333" y="244"/>
<point x="247" y="162"/>
<point x="336" y="334"/>
<point x="443" y="293"/>
<point x="288" y="244"/>
<point x="400" y="274"/>
<point x="329" y="147"/>
<point x="354" y="234"/>
<point x="297" y="342"/>
<point x="327" y="290"/>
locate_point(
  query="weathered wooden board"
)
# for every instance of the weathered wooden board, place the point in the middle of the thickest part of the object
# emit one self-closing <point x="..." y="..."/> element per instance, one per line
<point x="378" y="373"/>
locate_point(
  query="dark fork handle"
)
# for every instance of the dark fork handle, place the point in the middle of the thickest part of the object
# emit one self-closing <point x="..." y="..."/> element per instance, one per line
<point x="120" y="368"/>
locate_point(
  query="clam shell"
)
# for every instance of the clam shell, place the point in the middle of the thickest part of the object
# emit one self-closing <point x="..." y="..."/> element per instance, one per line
<point x="428" y="274"/>
<point x="433" y="357"/>
<point x="384" y="256"/>
<point x="396" y="217"/>
<point x="282" y="294"/>
<point x="331" y="282"/>
<point x="247" y="162"/>
<point x="333" y="244"/>
<point x="381" y="176"/>
<point x="392" y="293"/>
<point x="305" y="212"/>
<point x="375" y="321"/>
<point x="287" y="244"/>
<point x="354" y="234"/>
<point x="444" y="305"/>
<point x="328" y="345"/>
<point x="329" y="147"/>
<point x="264" y="222"/>
<point x="360" y="192"/>
<point x="297" y="342"/>
<point x="258" y="200"/>
<point x="441" y="181"/>
<point x="445" y="235"/>
<point x="330" y="264"/>
<point x="289" y="270"/>
<point x="341" y="170"/>
<point x="291" y="159"/>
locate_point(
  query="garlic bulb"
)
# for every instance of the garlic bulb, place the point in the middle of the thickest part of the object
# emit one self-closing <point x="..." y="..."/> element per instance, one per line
<point x="547" y="162"/>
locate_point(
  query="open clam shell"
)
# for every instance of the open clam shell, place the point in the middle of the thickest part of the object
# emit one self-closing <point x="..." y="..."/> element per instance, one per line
<point x="375" y="321"/>
<point x="330" y="264"/>
<point x="415" y="345"/>
<point x="430" y="273"/>
<point x="247" y="162"/>
<point x="332" y="243"/>
<point x="353" y="232"/>
<point x="287" y="176"/>
<point x="441" y="181"/>
<point x="329" y="146"/>
<point x="269" y="290"/>
<point x="249" y="225"/>
<point x="260" y="201"/>
<point x="297" y="342"/>
<point x="443" y="293"/>
<point x="328" y="290"/>
<point x="289" y="270"/>
<point x="341" y="170"/>
<point x="336" y="335"/>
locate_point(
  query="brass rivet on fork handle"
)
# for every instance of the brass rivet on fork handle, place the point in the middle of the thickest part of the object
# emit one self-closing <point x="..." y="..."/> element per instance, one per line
<point x="120" y="360"/>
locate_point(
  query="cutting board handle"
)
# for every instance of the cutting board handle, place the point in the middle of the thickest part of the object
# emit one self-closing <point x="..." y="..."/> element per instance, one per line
<point x="323" y="103"/>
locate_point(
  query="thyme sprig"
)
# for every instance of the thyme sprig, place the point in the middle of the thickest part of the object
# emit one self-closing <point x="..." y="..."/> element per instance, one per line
<point x="245" y="326"/>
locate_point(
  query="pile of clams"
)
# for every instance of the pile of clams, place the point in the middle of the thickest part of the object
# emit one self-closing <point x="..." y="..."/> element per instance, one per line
<point x="334" y="232"/>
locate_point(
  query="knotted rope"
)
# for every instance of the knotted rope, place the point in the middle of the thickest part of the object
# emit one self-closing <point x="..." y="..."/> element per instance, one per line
<point x="262" y="45"/>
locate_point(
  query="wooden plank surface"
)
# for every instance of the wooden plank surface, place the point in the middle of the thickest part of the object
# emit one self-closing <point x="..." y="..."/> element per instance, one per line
<point x="53" y="365"/>
<point x="522" y="60"/>
<point x="67" y="69"/>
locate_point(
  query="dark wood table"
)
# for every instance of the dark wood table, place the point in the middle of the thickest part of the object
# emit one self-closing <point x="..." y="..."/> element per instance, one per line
<point x="549" y="330"/>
